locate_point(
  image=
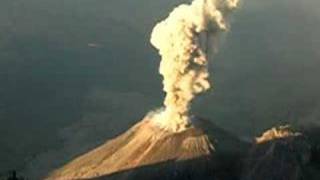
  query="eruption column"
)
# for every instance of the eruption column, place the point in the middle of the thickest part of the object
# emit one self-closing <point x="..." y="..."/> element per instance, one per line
<point x="184" y="63"/>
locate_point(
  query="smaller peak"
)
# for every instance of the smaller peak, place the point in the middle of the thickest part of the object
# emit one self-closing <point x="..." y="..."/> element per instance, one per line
<point x="277" y="133"/>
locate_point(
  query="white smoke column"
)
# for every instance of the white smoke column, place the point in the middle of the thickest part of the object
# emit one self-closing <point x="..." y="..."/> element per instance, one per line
<point x="184" y="63"/>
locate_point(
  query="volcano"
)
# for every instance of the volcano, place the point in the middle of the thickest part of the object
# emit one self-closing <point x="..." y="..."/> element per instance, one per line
<point x="150" y="152"/>
<point x="171" y="144"/>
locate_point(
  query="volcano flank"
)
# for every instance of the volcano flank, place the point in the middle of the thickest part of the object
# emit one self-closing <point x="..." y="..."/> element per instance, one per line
<point x="150" y="152"/>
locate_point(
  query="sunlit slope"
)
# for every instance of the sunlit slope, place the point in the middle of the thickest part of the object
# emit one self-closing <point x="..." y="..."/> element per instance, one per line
<point x="146" y="144"/>
<point x="142" y="145"/>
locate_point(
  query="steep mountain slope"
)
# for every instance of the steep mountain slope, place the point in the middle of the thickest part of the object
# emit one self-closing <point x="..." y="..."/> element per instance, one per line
<point x="147" y="146"/>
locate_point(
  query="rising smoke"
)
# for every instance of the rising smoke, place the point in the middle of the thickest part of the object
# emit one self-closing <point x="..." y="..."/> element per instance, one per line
<point x="183" y="40"/>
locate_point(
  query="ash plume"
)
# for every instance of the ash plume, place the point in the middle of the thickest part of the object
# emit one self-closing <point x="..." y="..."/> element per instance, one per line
<point x="183" y="40"/>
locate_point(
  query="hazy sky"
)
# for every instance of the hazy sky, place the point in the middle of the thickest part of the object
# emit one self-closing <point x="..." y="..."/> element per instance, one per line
<point x="76" y="72"/>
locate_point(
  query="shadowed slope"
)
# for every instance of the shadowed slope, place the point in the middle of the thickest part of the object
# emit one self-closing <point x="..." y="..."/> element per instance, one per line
<point x="193" y="169"/>
<point x="284" y="154"/>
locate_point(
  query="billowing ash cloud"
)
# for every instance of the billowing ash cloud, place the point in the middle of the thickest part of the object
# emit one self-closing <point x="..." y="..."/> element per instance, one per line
<point x="184" y="63"/>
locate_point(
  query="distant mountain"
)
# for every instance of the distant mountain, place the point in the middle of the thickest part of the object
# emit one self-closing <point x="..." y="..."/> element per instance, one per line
<point x="283" y="154"/>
